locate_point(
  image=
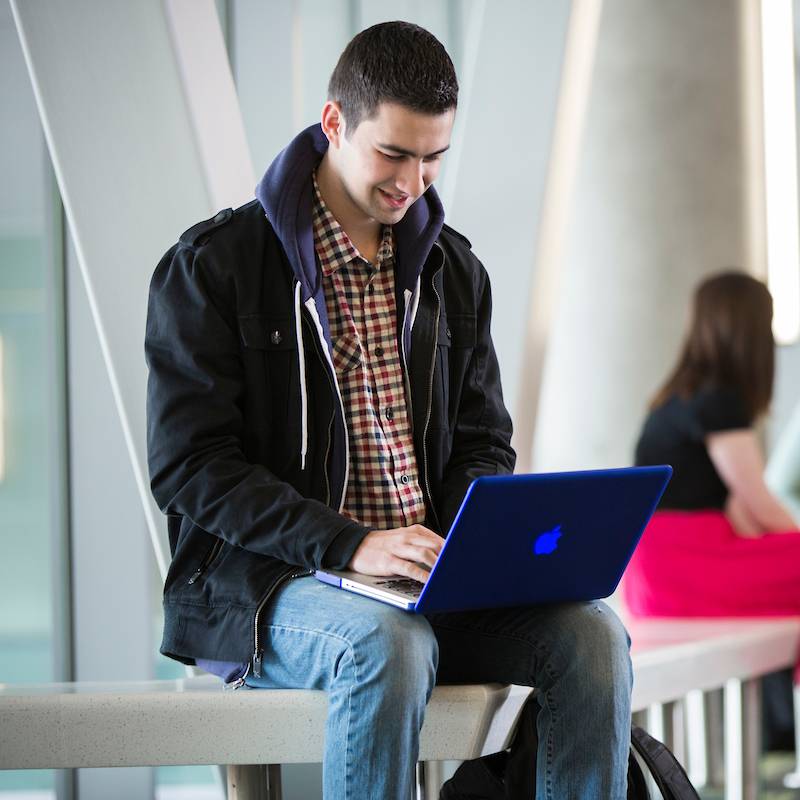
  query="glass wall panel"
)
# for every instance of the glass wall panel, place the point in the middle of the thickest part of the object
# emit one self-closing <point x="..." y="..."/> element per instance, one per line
<point x="31" y="412"/>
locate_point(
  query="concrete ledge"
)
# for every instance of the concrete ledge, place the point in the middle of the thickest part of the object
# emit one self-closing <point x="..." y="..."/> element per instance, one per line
<point x="672" y="657"/>
<point x="193" y="721"/>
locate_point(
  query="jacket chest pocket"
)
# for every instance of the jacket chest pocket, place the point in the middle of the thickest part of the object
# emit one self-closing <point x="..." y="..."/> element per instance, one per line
<point x="269" y="351"/>
<point x="456" y="341"/>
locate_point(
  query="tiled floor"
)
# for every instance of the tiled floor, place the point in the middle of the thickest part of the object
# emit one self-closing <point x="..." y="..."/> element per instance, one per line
<point x="773" y="767"/>
<point x="187" y="792"/>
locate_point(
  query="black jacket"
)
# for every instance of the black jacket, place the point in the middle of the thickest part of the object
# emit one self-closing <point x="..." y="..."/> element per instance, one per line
<point x="246" y="434"/>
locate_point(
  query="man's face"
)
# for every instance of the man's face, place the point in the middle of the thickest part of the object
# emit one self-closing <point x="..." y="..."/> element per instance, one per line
<point x="388" y="161"/>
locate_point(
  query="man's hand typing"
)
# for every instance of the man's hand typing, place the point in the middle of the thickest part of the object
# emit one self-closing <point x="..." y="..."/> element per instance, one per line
<point x="398" y="551"/>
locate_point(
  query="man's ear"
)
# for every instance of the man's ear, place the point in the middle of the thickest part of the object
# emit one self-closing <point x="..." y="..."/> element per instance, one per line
<point x="333" y="124"/>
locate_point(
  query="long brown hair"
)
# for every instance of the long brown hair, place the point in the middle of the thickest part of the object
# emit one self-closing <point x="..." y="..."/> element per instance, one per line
<point x="729" y="344"/>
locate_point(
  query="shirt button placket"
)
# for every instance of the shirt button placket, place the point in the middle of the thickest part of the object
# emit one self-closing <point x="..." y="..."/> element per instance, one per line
<point x="372" y="331"/>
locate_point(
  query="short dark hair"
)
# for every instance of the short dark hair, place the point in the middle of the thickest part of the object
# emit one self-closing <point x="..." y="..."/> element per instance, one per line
<point x="393" y="62"/>
<point x="729" y="344"/>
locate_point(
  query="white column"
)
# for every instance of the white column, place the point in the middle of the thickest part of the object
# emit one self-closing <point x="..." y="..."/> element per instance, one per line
<point x="742" y="739"/>
<point x="657" y="205"/>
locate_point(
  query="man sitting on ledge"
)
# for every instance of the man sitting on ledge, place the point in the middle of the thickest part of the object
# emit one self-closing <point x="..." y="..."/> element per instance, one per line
<point x="323" y="389"/>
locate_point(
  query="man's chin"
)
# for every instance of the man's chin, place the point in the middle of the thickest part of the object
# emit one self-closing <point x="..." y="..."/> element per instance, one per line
<point x="387" y="216"/>
<point x="392" y="219"/>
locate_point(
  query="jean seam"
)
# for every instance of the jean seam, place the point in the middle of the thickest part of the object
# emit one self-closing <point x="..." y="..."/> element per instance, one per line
<point x="349" y="758"/>
<point x="552" y="706"/>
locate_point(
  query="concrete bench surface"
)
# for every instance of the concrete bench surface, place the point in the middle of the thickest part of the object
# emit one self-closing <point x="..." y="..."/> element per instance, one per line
<point x="193" y="721"/>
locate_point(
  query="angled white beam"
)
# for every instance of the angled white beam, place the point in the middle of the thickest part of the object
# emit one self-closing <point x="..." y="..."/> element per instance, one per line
<point x="212" y="102"/>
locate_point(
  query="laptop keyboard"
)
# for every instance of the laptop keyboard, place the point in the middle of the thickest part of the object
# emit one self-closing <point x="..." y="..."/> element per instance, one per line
<point x="406" y="586"/>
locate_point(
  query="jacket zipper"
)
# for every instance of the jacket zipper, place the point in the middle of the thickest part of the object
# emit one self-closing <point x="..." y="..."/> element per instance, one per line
<point x="407" y="382"/>
<point x="330" y="421"/>
<point x="258" y="652"/>
<point x="327" y="455"/>
<point x="430" y="399"/>
<point x="332" y="380"/>
<point x="207" y="561"/>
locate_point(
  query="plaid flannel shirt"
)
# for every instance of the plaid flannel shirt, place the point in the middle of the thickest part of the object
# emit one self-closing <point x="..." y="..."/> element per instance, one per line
<point x="384" y="489"/>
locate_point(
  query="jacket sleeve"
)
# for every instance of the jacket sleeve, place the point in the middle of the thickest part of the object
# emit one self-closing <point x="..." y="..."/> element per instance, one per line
<point x="195" y="425"/>
<point x="482" y="433"/>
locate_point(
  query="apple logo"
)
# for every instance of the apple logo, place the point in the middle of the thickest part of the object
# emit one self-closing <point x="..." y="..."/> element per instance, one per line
<point x="547" y="542"/>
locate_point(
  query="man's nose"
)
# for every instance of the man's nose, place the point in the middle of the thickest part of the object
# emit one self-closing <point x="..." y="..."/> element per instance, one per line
<point x="410" y="178"/>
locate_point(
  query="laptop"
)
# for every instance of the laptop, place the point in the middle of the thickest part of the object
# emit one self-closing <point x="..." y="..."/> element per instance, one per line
<point x="528" y="539"/>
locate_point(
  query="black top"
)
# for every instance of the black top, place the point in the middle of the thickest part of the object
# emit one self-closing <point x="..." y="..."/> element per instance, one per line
<point x="674" y="434"/>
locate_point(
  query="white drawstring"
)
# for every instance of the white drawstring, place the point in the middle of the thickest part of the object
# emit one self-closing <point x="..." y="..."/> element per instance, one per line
<point x="414" y="304"/>
<point x="301" y="365"/>
<point x="312" y="309"/>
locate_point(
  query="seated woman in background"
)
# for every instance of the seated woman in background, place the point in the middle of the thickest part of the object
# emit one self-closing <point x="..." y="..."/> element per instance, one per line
<point x="720" y="544"/>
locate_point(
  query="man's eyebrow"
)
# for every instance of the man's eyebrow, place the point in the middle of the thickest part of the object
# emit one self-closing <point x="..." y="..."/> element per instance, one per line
<point x="403" y="152"/>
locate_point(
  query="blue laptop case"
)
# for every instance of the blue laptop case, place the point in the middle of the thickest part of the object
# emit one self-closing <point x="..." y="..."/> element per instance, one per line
<point x="546" y="538"/>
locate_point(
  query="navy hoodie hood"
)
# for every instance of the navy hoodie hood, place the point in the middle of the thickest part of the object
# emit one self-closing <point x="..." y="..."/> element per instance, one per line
<point x="286" y="195"/>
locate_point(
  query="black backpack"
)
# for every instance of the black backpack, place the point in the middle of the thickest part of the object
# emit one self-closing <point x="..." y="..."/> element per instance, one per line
<point x="669" y="776"/>
<point x="508" y="775"/>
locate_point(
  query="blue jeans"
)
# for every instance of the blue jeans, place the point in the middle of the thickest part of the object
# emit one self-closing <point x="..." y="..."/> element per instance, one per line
<point x="379" y="665"/>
